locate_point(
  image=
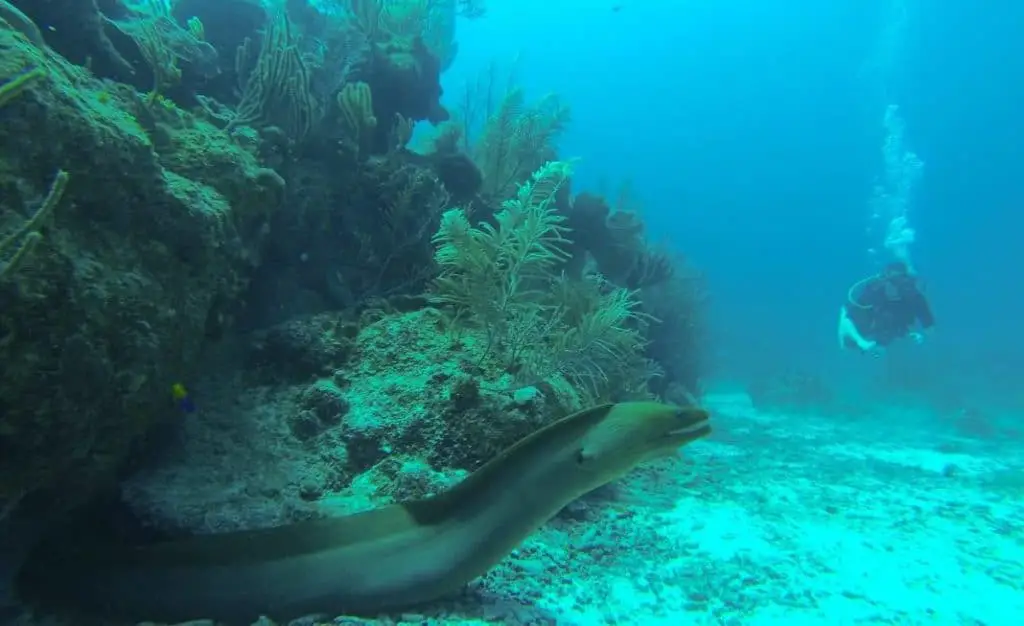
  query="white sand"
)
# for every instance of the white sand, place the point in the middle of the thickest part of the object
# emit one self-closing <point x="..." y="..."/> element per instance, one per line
<point x="787" y="520"/>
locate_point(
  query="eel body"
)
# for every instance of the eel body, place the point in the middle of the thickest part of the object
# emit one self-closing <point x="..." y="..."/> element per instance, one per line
<point x="383" y="559"/>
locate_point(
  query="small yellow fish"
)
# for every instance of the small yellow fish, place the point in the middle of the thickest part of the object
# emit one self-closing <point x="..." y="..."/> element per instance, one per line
<point x="182" y="398"/>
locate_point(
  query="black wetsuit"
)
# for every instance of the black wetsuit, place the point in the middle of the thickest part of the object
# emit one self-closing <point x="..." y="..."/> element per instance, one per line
<point x="885" y="308"/>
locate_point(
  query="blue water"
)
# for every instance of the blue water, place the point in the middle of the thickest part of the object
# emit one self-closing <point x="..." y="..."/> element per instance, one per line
<point x="752" y="131"/>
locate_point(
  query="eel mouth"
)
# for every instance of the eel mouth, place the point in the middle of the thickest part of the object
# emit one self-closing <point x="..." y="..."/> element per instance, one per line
<point x="693" y="425"/>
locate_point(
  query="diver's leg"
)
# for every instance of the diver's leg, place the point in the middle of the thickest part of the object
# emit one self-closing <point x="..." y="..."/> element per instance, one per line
<point x="845" y="330"/>
<point x="848" y="333"/>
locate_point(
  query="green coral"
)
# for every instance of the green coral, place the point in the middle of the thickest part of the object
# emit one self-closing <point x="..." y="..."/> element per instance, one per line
<point x="517" y="139"/>
<point x="275" y="88"/>
<point x="503" y="280"/>
<point x="492" y="272"/>
<point x="601" y="340"/>
<point x="355" y="102"/>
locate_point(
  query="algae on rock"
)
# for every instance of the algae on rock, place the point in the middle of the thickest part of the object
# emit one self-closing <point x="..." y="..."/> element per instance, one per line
<point x="149" y="248"/>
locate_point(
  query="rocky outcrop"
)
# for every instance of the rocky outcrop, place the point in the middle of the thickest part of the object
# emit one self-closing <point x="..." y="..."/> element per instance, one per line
<point x="159" y="225"/>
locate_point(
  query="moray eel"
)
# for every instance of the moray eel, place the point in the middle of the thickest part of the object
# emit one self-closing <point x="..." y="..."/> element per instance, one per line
<point x="379" y="560"/>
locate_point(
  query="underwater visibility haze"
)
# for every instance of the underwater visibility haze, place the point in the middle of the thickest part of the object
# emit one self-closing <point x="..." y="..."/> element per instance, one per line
<point x="575" y="312"/>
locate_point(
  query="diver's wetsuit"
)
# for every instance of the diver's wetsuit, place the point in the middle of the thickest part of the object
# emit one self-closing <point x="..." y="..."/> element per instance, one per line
<point x="885" y="308"/>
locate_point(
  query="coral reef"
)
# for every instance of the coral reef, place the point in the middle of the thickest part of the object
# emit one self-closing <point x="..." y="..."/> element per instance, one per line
<point x="354" y="407"/>
<point x="221" y="197"/>
<point x="390" y="413"/>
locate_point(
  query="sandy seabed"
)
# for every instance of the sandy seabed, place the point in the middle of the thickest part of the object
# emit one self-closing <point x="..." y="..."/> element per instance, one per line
<point x="784" y="519"/>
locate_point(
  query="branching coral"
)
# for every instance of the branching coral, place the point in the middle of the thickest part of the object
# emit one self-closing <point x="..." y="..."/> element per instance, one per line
<point x="516" y="140"/>
<point x="159" y="57"/>
<point x="165" y="45"/>
<point x="491" y="273"/>
<point x="275" y="88"/>
<point x="404" y="18"/>
<point x="439" y="32"/>
<point x="355" y="102"/>
<point x="381" y="245"/>
<point x="600" y="343"/>
<point x="504" y="280"/>
<point x="366" y="15"/>
<point x="381" y="19"/>
<point x="431" y="20"/>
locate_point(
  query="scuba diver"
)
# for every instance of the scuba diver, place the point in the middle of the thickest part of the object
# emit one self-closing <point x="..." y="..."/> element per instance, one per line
<point x="882" y="308"/>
